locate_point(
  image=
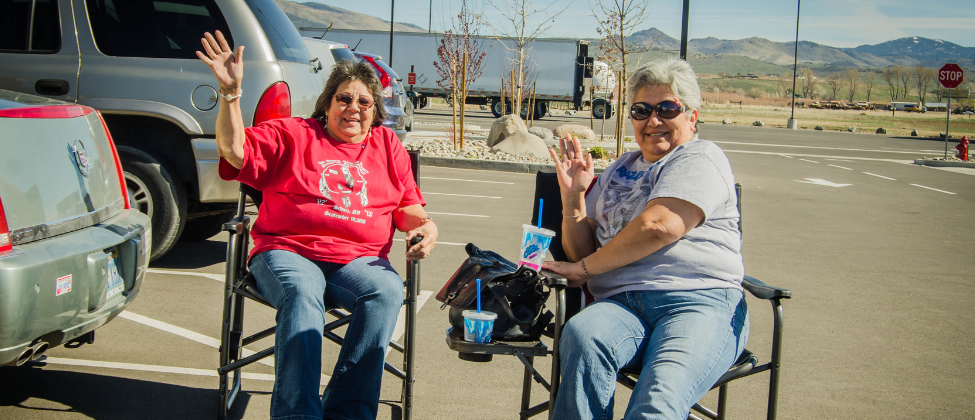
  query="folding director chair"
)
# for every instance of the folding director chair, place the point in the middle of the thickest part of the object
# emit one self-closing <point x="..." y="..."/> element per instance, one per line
<point x="240" y="286"/>
<point x="569" y="302"/>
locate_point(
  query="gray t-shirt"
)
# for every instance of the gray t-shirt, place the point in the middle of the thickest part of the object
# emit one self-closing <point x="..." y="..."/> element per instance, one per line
<point x="707" y="257"/>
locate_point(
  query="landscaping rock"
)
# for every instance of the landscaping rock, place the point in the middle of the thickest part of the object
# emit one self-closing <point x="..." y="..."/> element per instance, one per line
<point x="580" y="131"/>
<point x="523" y="143"/>
<point x="881" y="130"/>
<point x="504" y="127"/>
<point x="818" y="128"/>
<point x="852" y="129"/>
<point x="758" y="124"/>
<point x="726" y="121"/>
<point x="913" y="133"/>
<point x="542" y="132"/>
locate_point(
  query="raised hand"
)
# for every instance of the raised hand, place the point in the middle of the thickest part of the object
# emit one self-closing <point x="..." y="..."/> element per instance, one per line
<point x="227" y="66"/>
<point x="573" y="167"/>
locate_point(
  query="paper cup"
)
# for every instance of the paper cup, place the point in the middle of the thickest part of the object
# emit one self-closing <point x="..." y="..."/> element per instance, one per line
<point x="534" y="246"/>
<point x="478" y="326"/>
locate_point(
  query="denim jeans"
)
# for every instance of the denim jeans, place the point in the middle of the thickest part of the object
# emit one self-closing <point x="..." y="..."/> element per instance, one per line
<point x="370" y="290"/>
<point x="684" y="341"/>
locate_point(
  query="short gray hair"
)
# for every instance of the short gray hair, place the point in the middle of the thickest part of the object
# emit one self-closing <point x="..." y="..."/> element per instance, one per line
<point x="671" y="72"/>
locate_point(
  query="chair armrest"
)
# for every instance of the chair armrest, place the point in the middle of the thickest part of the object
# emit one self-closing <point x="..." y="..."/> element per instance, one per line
<point x="555" y="279"/>
<point x="764" y="291"/>
<point x="238" y="225"/>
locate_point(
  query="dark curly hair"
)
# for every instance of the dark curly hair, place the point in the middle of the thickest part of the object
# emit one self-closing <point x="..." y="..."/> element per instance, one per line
<point x="346" y="70"/>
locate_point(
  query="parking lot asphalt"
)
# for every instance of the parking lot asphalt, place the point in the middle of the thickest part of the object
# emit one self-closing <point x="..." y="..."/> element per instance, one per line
<point x="876" y="251"/>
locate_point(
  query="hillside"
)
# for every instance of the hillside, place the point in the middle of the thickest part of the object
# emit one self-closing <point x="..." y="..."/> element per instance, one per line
<point x="318" y="15"/>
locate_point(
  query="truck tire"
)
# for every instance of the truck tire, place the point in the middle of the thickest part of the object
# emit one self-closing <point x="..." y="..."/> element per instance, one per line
<point x="203" y="228"/>
<point x="496" y="107"/>
<point x="601" y="109"/>
<point x="155" y="190"/>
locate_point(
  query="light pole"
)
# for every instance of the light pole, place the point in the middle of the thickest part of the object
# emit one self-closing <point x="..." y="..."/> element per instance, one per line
<point x="392" y="7"/>
<point x="683" y="31"/>
<point x="430" y="21"/>
<point x="793" y="124"/>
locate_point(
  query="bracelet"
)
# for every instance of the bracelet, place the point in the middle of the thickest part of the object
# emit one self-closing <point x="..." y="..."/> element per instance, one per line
<point x="588" y="275"/>
<point x="228" y="97"/>
<point x="424" y="220"/>
<point x="574" y="216"/>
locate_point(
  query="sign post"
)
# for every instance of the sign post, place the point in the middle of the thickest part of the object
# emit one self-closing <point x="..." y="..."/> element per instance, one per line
<point x="950" y="76"/>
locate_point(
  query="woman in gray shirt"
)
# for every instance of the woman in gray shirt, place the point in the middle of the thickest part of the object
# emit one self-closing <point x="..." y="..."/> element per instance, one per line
<point x="656" y="241"/>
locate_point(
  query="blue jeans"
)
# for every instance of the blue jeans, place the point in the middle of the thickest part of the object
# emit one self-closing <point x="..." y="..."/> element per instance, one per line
<point x="683" y="340"/>
<point x="367" y="287"/>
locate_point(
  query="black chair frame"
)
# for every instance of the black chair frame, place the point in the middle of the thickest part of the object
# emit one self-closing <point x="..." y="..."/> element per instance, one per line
<point x="239" y="286"/>
<point x="568" y="302"/>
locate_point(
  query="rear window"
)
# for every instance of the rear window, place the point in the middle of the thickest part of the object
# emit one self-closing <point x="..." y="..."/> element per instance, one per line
<point x="157" y="29"/>
<point x="281" y="33"/>
<point x="343" y="54"/>
<point x="16" y="24"/>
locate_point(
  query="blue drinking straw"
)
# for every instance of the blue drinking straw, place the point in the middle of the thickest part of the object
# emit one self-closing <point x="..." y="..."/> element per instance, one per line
<point x="478" y="295"/>
<point x="541" y="205"/>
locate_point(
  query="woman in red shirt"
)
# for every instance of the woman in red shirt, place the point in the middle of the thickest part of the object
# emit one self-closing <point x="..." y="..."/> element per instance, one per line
<point x="335" y="187"/>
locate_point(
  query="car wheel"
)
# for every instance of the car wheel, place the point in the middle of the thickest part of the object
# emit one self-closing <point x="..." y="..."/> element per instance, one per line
<point x="203" y="228"/>
<point x="600" y="109"/>
<point x="496" y="107"/>
<point x="155" y="190"/>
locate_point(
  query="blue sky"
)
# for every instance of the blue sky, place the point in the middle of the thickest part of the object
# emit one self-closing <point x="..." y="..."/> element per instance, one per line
<point x="838" y="23"/>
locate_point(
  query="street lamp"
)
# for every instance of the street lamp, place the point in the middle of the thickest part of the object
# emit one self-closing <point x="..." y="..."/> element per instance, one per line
<point x="793" y="124"/>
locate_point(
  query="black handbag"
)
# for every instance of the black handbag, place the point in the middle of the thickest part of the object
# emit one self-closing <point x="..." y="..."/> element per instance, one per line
<point x="516" y="294"/>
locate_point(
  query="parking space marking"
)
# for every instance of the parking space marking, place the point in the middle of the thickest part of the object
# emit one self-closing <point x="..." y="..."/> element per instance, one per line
<point x="468" y="180"/>
<point x="934" y="189"/>
<point x="912" y="152"/>
<point x="458" y="214"/>
<point x="459" y="195"/>
<point x="881" y="176"/>
<point x="807" y="160"/>
<point x="400" y="329"/>
<point x="837" y="166"/>
<point x="154" y="368"/>
<point x="217" y="277"/>
<point x="185" y="333"/>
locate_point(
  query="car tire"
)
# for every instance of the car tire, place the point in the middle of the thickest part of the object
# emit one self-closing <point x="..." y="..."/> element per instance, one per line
<point x="203" y="228"/>
<point x="155" y="190"/>
<point x="496" y="107"/>
<point x="601" y="109"/>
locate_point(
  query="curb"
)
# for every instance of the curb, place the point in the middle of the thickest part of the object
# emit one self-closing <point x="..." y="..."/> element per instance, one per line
<point x="489" y="165"/>
<point x="944" y="163"/>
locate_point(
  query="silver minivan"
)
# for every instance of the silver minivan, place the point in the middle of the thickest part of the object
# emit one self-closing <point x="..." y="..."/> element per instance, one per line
<point x="72" y="252"/>
<point x="135" y="61"/>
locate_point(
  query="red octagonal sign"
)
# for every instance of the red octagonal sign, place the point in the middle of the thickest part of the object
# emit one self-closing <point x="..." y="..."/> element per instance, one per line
<point x="950" y="75"/>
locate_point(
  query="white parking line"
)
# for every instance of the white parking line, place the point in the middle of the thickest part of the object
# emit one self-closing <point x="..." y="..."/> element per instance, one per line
<point x="807" y="160"/>
<point x="217" y="277"/>
<point x="460" y="195"/>
<point x="841" y="167"/>
<point x="880" y="176"/>
<point x="913" y="152"/>
<point x="468" y="180"/>
<point x="790" y="157"/>
<point x="458" y="214"/>
<point x="155" y="368"/>
<point x="934" y="189"/>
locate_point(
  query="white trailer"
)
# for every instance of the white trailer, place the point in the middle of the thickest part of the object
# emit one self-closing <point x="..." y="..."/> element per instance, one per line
<point x="560" y="67"/>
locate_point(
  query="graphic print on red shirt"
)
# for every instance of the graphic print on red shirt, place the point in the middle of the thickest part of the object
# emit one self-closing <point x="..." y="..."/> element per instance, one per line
<point x="324" y="199"/>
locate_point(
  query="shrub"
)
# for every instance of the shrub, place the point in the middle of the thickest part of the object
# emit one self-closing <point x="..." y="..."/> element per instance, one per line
<point x="598" y="152"/>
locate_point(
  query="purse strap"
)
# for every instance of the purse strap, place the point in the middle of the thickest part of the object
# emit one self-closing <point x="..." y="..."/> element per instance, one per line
<point x="499" y="296"/>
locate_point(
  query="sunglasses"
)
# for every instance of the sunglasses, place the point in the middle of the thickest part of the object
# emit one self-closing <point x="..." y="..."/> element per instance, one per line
<point x="666" y="110"/>
<point x="365" y="102"/>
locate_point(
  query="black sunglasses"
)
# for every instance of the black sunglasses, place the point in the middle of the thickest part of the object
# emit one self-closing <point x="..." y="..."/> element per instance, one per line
<point x="666" y="110"/>
<point x="365" y="102"/>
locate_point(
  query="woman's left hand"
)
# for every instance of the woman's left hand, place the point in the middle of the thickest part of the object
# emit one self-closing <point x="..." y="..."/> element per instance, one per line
<point x="428" y="231"/>
<point x="572" y="272"/>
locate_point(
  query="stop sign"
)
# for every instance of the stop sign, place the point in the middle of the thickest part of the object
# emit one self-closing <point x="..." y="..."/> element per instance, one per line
<point x="950" y="75"/>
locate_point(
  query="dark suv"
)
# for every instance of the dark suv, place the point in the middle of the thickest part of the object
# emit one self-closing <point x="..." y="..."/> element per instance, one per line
<point x="135" y="62"/>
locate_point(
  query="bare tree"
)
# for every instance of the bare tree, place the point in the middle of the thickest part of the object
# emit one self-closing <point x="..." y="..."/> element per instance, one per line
<point x="835" y="81"/>
<point x="868" y="82"/>
<point x="853" y="80"/>
<point x="904" y="74"/>
<point x="923" y="78"/>
<point x="892" y="79"/>
<point x="809" y="83"/>
<point x="521" y="23"/>
<point x="457" y="41"/>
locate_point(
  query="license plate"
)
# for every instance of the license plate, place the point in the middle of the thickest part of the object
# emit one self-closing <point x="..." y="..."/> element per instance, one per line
<point x="115" y="283"/>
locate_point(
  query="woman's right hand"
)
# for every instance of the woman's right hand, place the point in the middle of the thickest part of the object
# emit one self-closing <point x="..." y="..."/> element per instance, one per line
<point x="225" y="65"/>
<point x="573" y="167"/>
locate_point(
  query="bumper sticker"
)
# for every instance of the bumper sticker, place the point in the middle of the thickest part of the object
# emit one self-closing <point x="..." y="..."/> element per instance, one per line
<point x="64" y="285"/>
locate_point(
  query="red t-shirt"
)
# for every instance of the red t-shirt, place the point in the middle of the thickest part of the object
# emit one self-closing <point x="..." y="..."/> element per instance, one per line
<point x="324" y="199"/>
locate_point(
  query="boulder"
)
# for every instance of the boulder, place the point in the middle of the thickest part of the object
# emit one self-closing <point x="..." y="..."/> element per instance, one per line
<point x="542" y="132"/>
<point x="726" y="121"/>
<point x="523" y="143"/>
<point x="580" y="131"/>
<point x="758" y="124"/>
<point x="881" y="130"/>
<point x="852" y="129"/>
<point x="504" y="127"/>
<point x="913" y="133"/>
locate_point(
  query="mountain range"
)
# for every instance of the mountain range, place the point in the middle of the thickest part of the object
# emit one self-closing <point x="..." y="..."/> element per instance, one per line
<point x="908" y="51"/>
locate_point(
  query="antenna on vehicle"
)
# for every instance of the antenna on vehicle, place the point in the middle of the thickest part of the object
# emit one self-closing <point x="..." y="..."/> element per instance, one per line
<point x="325" y="30"/>
<point x="357" y="44"/>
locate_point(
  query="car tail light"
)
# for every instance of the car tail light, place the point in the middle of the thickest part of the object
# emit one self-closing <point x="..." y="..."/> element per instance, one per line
<point x="49" y="111"/>
<point x="275" y="103"/>
<point x="384" y="78"/>
<point x="118" y="163"/>
<point x="6" y="242"/>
